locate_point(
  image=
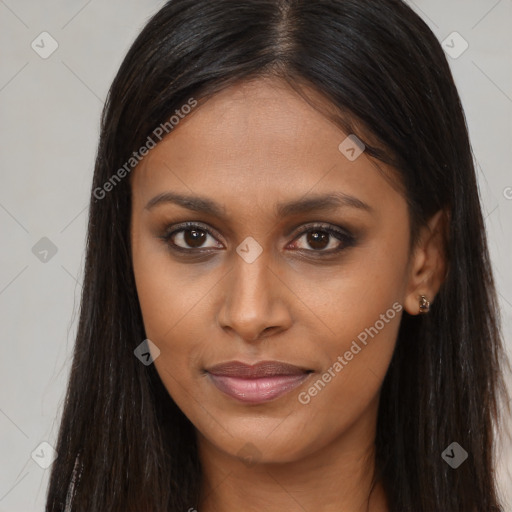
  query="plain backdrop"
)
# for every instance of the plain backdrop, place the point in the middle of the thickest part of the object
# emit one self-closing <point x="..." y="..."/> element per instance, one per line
<point x="49" y="119"/>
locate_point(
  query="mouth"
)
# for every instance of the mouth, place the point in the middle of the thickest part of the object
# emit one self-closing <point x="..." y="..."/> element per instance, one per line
<point x="261" y="382"/>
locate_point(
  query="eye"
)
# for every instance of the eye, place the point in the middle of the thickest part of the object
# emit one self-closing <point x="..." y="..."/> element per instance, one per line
<point x="191" y="236"/>
<point x="323" y="238"/>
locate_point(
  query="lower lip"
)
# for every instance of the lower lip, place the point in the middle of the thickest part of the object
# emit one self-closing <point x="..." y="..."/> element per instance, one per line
<point x="258" y="390"/>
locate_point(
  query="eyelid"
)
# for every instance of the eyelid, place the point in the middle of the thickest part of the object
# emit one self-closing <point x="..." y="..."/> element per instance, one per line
<point x="345" y="237"/>
<point x="310" y="226"/>
<point x="183" y="226"/>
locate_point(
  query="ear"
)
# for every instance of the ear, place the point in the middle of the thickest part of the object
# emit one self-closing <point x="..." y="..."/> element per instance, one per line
<point x="427" y="267"/>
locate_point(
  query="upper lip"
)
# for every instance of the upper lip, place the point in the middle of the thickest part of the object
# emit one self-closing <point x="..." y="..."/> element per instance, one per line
<point x="261" y="369"/>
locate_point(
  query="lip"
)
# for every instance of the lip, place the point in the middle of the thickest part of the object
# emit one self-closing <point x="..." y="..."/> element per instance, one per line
<point x="261" y="382"/>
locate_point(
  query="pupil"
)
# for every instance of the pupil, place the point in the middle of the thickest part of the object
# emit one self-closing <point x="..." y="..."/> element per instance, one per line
<point x="194" y="238"/>
<point x="318" y="239"/>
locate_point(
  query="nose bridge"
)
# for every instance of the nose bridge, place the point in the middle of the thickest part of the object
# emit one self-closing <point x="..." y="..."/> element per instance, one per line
<point x="251" y="280"/>
<point x="253" y="301"/>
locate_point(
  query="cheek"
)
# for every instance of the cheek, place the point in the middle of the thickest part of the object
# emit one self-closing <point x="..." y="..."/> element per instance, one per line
<point x="167" y="291"/>
<point x="360" y="306"/>
<point x="352" y="296"/>
<point x="348" y="386"/>
<point x="171" y="321"/>
<point x="174" y="301"/>
<point x="163" y="293"/>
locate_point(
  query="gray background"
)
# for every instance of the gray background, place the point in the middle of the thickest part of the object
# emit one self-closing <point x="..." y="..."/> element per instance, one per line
<point x="49" y="111"/>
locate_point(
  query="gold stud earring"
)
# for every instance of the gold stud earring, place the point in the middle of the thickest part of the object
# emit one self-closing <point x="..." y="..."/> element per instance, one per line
<point x="424" y="304"/>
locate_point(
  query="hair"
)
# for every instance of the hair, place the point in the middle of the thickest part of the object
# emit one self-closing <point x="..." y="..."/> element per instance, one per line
<point x="123" y="443"/>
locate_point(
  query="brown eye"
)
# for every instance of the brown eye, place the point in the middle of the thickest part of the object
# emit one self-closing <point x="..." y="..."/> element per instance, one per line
<point x="323" y="239"/>
<point x="194" y="237"/>
<point x="190" y="237"/>
<point x="318" y="239"/>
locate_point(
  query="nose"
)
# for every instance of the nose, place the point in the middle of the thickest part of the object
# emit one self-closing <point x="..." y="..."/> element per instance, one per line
<point x="254" y="304"/>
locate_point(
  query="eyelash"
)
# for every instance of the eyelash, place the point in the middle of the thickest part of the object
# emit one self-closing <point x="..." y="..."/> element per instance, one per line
<point x="344" y="237"/>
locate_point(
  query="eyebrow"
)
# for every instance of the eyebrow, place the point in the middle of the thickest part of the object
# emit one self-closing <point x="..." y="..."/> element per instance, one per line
<point x="314" y="203"/>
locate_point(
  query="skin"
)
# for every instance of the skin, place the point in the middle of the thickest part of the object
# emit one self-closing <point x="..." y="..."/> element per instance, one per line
<point x="248" y="148"/>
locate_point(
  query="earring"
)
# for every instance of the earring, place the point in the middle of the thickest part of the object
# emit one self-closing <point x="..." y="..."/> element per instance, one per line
<point x="424" y="304"/>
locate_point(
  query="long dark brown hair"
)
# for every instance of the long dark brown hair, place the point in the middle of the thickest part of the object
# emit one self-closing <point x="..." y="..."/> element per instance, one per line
<point x="123" y="444"/>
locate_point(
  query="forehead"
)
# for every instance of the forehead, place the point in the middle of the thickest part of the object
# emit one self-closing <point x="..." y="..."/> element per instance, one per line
<point x="258" y="141"/>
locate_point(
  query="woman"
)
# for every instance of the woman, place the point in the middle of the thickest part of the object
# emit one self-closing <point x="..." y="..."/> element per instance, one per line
<point x="288" y="301"/>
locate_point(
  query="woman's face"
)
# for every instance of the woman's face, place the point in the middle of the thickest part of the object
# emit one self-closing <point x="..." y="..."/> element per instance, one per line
<point x="297" y="252"/>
